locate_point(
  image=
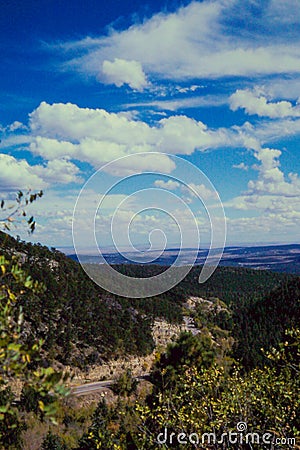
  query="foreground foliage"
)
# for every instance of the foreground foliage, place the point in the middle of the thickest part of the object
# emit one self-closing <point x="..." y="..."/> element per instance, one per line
<point x="20" y="361"/>
<point x="206" y="405"/>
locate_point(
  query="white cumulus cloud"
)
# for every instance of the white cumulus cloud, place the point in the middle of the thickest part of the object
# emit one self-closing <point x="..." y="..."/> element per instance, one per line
<point x="121" y="71"/>
<point x="97" y="136"/>
<point x="169" y="185"/>
<point x="19" y="174"/>
<point x="258" y="104"/>
<point x="241" y="166"/>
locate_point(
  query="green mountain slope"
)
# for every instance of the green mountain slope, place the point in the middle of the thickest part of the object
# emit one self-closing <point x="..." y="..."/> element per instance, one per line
<point x="83" y="324"/>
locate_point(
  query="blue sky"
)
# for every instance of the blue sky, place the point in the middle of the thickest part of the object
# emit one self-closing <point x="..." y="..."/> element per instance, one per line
<point x="216" y="83"/>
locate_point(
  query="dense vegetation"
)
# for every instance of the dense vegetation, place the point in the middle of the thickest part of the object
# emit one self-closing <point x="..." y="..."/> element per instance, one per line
<point x="69" y="310"/>
<point x="82" y="324"/>
<point x="79" y="322"/>
<point x="262" y="304"/>
<point x="197" y="402"/>
<point x="210" y="381"/>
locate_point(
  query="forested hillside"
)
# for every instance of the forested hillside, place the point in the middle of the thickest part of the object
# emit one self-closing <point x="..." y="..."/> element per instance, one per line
<point x="211" y="380"/>
<point x="262" y="304"/>
<point x="82" y="324"/>
<point x="79" y="322"/>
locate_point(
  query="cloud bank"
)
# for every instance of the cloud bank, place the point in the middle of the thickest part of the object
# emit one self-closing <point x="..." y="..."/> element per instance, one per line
<point x="200" y="40"/>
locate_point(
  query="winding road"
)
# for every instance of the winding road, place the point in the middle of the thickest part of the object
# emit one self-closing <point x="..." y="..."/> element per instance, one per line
<point x="88" y="388"/>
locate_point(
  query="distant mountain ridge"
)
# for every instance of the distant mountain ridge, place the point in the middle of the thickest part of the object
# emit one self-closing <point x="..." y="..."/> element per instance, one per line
<point x="278" y="258"/>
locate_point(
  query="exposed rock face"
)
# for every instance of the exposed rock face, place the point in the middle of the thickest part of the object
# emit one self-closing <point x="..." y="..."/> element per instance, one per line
<point x="163" y="333"/>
